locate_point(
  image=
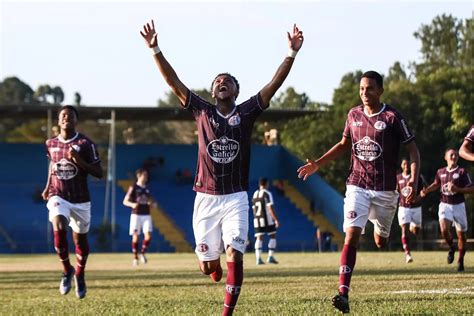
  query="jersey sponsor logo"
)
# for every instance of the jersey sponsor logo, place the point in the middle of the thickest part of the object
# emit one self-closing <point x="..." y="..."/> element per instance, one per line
<point x="445" y="191"/>
<point x="406" y="191"/>
<point x="401" y="181"/>
<point x="64" y="169"/>
<point x="55" y="149"/>
<point x="223" y="150"/>
<point x="232" y="289"/>
<point x="234" y="120"/>
<point x="344" y="269"/>
<point x="367" y="150"/>
<point x="380" y="125"/>
<point x="238" y="240"/>
<point x="443" y="176"/>
<point x="351" y="214"/>
<point x="456" y="176"/>
<point x="202" y="248"/>
<point x="357" y="124"/>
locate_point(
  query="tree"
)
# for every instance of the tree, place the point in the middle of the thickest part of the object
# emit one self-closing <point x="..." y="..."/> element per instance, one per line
<point x="15" y="91"/>
<point x="58" y="95"/>
<point x="42" y="93"/>
<point x="77" y="99"/>
<point x="290" y="99"/>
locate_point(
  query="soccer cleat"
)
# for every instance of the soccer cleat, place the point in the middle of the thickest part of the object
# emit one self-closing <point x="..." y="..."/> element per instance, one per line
<point x="65" y="284"/>
<point x="143" y="258"/>
<point x="460" y="266"/>
<point x="135" y="262"/>
<point x="451" y="255"/>
<point x="272" y="260"/>
<point x="81" y="288"/>
<point x="341" y="303"/>
<point x="216" y="276"/>
<point x="259" y="262"/>
<point x="408" y="258"/>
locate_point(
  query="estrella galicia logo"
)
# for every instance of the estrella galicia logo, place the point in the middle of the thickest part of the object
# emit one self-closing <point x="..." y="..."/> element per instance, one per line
<point x="238" y="240"/>
<point x="234" y="120"/>
<point x="351" y="214"/>
<point x="366" y="149"/>
<point x="223" y="150"/>
<point x="64" y="169"/>
<point x="445" y="191"/>
<point x="202" y="248"/>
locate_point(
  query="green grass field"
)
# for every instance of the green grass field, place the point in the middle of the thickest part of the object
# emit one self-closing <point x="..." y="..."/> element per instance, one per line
<point x="302" y="284"/>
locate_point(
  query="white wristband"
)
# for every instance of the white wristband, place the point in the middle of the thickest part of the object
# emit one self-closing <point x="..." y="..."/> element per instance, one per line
<point x="292" y="53"/>
<point x="155" y="50"/>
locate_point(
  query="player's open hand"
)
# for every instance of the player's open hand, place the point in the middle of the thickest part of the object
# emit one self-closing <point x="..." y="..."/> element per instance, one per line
<point x="423" y="193"/>
<point x="72" y="154"/>
<point x="295" y="39"/>
<point x="149" y="34"/>
<point x="308" y="169"/>
<point x="452" y="187"/>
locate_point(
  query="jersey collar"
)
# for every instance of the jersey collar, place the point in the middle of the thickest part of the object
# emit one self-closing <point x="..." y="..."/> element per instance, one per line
<point x="69" y="140"/>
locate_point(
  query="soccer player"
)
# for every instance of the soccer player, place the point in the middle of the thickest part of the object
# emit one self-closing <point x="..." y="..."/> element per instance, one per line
<point x="265" y="221"/>
<point x="373" y="132"/>
<point x="220" y="218"/>
<point x="409" y="214"/>
<point x="139" y="199"/>
<point x="451" y="207"/>
<point x="466" y="150"/>
<point x="72" y="158"/>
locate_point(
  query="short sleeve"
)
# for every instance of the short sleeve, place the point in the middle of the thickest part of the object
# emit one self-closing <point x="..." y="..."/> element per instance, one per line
<point x="437" y="179"/>
<point x="465" y="180"/>
<point x="270" y="198"/>
<point x="195" y="104"/>
<point x="253" y="107"/>
<point x="347" y="128"/>
<point x="402" y="129"/>
<point x="91" y="155"/>
<point x="470" y="135"/>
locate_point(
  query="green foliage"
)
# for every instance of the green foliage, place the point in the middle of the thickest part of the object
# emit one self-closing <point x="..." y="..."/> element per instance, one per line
<point x="15" y="91"/>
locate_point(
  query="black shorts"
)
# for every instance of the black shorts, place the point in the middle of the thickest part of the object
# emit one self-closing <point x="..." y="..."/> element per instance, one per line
<point x="269" y="230"/>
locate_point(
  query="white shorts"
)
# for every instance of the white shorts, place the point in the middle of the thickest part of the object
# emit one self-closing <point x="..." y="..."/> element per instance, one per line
<point x="140" y="223"/>
<point x="361" y="205"/>
<point x="407" y="215"/>
<point x="220" y="221"/>
<point x="455" y="213"/>
<point x="78" y="214"/>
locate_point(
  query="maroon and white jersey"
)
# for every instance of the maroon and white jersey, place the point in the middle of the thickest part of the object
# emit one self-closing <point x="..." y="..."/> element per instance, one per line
<point x="376" y="142"/>
<point x="459" y="177"/>
<point x="470" y="135"/>
<point x="141" y="196"/>
<point x="68" y="180"/>
<point x="404" y="190"/>
<point x="224" y="144"/>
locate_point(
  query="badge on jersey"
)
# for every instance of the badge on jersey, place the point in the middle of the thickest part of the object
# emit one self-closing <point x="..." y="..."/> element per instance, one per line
<point x="234" y="120"/>
<point x="380" y="125"/>
<point x="406" y="191"/>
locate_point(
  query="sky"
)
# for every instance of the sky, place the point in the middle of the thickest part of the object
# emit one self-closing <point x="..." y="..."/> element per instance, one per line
<point x="94" y="47"/>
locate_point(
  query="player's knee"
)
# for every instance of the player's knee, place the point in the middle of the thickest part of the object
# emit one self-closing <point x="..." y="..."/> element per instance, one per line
<point x="234" y="255"/>
<point x="381" y="242"/>
<point x="207" y="267"/>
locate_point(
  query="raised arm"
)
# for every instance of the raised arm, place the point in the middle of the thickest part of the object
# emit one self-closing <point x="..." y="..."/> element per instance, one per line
<point x="466" y="151"/>
<point x="313" y="166"/>
<point x="295" y="41"/>
<point x="151" y="38"/>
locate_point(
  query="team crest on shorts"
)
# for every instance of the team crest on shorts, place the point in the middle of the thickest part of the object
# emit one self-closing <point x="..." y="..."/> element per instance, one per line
<point x="351" y="214"/>
<point x="202" y="248"/>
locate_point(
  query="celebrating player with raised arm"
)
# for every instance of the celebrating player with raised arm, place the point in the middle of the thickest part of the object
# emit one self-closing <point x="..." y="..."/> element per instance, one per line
<point x="220" y="219"/>
<point x="467" y="148"/>
<point x="72" y="157"/>
<point x="373" y="132"/>
<point x="452" y="208"/>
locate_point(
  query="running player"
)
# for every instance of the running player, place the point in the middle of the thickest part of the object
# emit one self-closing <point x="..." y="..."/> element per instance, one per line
<point x="373" y="132"/>
<point x="220" y="219"/>
<point x="265" y="221"/>
<point x="452" y="208"/>
<point x="466" y="150"/>
<point x="139" y="199"/>
<point x="72" y="157"/>
<point x="409" y="214"/>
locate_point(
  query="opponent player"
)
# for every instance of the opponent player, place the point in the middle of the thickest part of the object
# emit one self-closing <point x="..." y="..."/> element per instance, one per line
<point x="220" y="219"/>
<point x="139" y="199"/>
<point x="466" y="150"/>
<point x="72" y="157"/>
<point x="452" y="208"/>
<point x="409" y="214"/>
<point x="373" y="132"/>
<point x="264" y="221"/>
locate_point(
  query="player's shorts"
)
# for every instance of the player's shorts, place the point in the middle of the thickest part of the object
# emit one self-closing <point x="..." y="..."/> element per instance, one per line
<point x="455" y="213"/>
<point x="408" y="215"/>
<point x="361" y="205"/>
<point x="218" y="221"/>
<point x="140" y="223"/>
<point x="269" y="230"/>
<point x="78" y="214"/>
